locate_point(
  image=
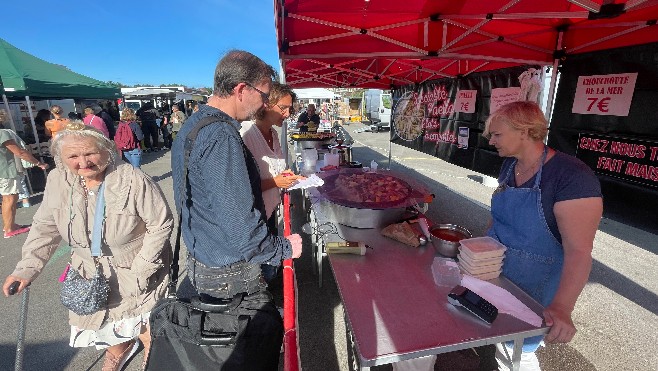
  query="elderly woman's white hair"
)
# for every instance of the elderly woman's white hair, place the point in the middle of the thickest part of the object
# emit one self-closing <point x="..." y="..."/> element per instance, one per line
<point x="78" y="129"/>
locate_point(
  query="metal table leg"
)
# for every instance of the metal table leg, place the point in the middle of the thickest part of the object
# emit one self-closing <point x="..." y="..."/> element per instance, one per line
<point x="516" y="354"/>
<point x="314" y="239"/>
<point x="320" y="249"/>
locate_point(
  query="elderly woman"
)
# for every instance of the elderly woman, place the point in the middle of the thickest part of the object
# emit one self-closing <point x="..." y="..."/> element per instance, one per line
<point x="263" y="143"/>
<point x="546" y="210"/>
<point x="135" y="228"/>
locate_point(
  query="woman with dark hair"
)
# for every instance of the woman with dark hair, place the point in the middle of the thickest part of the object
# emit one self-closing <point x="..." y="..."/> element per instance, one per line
<point x="263" y="142"/>
<point x="40" y="119"/>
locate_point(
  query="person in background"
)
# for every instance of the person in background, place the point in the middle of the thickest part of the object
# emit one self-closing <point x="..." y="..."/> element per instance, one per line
<point x="308" y="117"/>
<point x="188" y="108"/>
<point x="165" y="126"/>
<point x="74" y="116"/>
<point x="40" y="119"/>
<point x="23" y="193"/>
<point x="107" y="119"/>
<point x="57" y="123"/>
<point x="94" y="121"/>
<point x="195" y="108"/>
<point x="227" y="236"/>
<point x="177" y="119"/>
<point x="135" y="240"/>
<point x="148" y="115"/>
<point x="546" y="210"/>
<point x="10" y="180"/>
<point x="134" y="156"/>
<point x="263" y="143"/>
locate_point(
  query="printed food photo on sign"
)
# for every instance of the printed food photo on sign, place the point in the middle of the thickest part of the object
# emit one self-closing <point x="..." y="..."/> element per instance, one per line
<point x="408" y="117"/>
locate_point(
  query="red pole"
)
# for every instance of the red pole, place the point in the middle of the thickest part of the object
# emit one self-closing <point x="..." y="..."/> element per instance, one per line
<point x="291" y="361"/>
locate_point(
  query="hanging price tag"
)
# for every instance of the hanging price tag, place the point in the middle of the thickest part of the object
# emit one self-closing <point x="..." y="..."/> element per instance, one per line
<point x="465" y="101"/>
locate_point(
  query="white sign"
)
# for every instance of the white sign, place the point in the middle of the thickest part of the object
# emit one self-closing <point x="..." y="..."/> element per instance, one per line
<point x="608" y="95"/>
<point x="465" y="101"/>
<point x="502" y="96"/>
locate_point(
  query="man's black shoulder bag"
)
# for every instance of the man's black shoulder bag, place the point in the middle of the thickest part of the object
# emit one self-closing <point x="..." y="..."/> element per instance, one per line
<point x="243" y="333"/>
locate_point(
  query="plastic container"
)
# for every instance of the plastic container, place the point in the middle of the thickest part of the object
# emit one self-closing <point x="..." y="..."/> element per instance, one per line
<point x="483" y="276"/>
<point x="465" y="255"/>
<point x="478" y="269"/>
<point x="331" y="159"/>
<point x="446" y="272"/>
<point x="482" y="247"/>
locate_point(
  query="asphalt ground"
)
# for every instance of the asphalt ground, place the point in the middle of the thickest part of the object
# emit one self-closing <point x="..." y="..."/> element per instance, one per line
<point x="615" y="315"/>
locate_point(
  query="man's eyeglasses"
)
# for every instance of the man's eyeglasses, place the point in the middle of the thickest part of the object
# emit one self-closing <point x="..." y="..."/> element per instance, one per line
<point x="264" y="96"/>
<point x="285" y="108"/>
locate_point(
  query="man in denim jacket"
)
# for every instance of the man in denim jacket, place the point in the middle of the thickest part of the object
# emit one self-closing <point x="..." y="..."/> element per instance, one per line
<point x="223" y="220"/>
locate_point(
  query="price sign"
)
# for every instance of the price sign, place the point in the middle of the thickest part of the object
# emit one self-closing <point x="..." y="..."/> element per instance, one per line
<point x="465" y="101"/>
<point x="604" y="94"/>
<point x="502" y="96"/>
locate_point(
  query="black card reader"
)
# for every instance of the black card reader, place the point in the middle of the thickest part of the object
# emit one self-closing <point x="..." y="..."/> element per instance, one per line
<point x="460" y="296"/>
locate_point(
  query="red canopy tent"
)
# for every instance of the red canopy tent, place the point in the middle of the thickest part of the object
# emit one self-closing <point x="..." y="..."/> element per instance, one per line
<point x="387" y="43"/>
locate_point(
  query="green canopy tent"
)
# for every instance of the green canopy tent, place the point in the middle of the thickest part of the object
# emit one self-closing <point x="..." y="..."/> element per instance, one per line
<point x="23" y="75"/>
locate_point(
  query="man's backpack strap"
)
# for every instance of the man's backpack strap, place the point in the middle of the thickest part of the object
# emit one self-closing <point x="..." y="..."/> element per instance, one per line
<point x="186" y="193"/>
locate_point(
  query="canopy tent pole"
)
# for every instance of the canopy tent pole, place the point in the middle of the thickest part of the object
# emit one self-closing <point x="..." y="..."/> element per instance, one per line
<point x="284" y="127"/>
<point x="36" y="139"/>
<point x="551" y="90"/>
<point x="34" y="125"/>
<point x="11" y="117"/>
<point x="390" y="146"/>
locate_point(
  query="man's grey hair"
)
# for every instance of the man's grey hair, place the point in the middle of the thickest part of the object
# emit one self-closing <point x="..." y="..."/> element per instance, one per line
<point x="240" y="66"/>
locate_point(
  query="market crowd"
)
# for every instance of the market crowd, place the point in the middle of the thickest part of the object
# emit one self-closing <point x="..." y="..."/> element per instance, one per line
<point x="228" y="172"/>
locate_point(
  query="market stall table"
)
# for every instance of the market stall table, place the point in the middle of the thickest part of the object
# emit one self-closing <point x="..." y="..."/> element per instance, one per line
<point x="394" y="310"/>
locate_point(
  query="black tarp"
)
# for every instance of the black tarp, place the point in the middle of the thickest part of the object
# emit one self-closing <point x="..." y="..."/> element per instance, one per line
<point x="442" y="141"/>
<point x="630" y="187"/>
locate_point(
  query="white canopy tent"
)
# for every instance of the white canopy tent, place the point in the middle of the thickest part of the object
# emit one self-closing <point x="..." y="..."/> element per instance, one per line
<point x="150" y="93"/>
<point x="314" y="93"/>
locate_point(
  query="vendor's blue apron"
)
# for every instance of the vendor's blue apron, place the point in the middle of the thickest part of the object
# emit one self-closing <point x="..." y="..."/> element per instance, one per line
<point x="534" y="257"/>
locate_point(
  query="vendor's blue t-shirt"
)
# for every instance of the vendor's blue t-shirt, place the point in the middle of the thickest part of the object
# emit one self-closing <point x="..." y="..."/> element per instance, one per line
<point x="564" y="178"/>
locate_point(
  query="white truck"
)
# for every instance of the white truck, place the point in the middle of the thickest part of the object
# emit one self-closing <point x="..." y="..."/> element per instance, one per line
<point x="377" y="109"/>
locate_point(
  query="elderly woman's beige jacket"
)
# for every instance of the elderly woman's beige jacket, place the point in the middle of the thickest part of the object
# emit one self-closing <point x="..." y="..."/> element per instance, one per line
<point x="136" y="248"/>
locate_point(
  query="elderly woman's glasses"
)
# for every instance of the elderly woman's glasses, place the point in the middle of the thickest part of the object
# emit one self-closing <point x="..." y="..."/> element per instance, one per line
<point x="264" y="96"/>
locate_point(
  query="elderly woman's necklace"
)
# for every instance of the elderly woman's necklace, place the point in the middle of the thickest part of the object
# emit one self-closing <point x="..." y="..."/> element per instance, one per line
<point x="83" y="183"/>
<point x="522" y="172"/>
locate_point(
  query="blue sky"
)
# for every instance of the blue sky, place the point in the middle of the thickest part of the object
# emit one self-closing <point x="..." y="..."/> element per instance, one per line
<point x="141" y="41"/>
